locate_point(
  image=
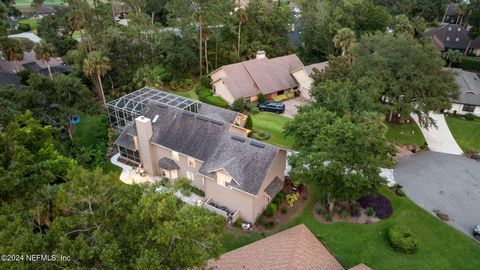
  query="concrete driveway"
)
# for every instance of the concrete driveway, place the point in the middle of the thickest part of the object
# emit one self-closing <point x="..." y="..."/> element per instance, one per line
<point x="439" y="139"/>
<point x="291" y="106"/>
<point x="449" y="183"/>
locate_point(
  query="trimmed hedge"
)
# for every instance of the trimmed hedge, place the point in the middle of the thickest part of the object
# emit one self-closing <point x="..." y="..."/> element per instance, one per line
<point x="402" y="239"/>
<point x="270" y="210"/>
<point x="206" y="95"/>
<point x="382" y="206"/>
<point x="470" y="63"/>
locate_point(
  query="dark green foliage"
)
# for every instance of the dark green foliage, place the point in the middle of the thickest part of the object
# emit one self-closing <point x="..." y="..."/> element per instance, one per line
<point x="402" y="239"/>
<point x="321" y="211"/>
<point x="238" y="105"/>
<point x="270" y="210"/>
<point x="24" y="27"/>
<point x="206" y="82"/>
<point x="261" y="135"/>
<point x="279" y="198"/>
<point x="328" y="216"/>
<point x="25" y="75"/>
<point x="58" y="30"/>
<point x="254" y="110"/>
<point x="216" y="101"/>
<point x="344" y="214"/>
<point x="470" y="63"/>
<point x="249" y="123"/>
<point x="470" y="116"/>
<point x="370" y="212"/>
<point x="284" y="210"/>
<point x="261" y="98"/>
<point x="185" y="186"/>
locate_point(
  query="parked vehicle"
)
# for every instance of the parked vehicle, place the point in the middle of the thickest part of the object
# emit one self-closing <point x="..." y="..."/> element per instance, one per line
<point x="476" y="232"/>
<point x="276" y="107"/>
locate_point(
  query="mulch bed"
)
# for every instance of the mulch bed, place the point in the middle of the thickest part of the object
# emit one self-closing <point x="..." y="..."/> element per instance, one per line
<point x="362" y="217"/>
<point x="473" y="155"/>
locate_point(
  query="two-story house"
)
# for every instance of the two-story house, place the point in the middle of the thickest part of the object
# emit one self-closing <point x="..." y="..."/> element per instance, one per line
<point x="234" y="171"/>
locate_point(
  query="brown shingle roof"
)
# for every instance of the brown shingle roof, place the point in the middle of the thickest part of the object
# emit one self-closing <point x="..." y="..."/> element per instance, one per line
<point x="267" y="76"/>
<point x="295" y="248"/>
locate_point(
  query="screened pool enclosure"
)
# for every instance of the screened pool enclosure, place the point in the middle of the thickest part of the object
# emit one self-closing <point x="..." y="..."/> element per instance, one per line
<point x="125" y="109"/>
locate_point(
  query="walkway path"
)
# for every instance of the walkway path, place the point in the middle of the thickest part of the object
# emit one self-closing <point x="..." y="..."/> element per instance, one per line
<point x="440" y="139"/>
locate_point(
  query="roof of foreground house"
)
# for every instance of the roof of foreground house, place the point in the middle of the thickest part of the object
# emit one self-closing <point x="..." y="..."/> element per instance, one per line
<point x="295" y="248"/>
<point x="45" y="10"/>
<point x="264" y="75"/>
<point x="469" y="85"/>
<point x="207" y="139"/>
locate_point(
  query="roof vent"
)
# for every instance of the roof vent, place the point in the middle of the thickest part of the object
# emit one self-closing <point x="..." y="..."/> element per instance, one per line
<point x="238" y="138"/>
<point x="187" y="113"/>
<point x="203" y="118"/>
<point x="216" y="122"/>
<point x="162" y="105"/>
<point x="257" y="144"/>
<point x="155" y="118"/>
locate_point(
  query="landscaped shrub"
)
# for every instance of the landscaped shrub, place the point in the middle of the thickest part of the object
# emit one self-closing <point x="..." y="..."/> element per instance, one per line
<point x="283" y="210"/>
<point x="381" y="205"/>
<point x="470" y="116"/>
<point x="249" y="123"/>
<point x="25" y="75"/>
<point x="254" y="110"/>
<point x="183" y="184"/>
<point x="370" y="212"/>
<point x="397" y="189"/>
<point x="292" y="198"/>
<point x="344" y="214"/>
<point x="470" y="63"/>
<point x="279" y="198"/>
<point x="238" y="105"/>
<point x="250" y="105"/>
<point x="270" y="210"/>
<point x="206" y="82"/>
<point x="321" y="211"/>
<point x="261" y="98"/>
<point x="261" y="135"/>
<point x="328" y="216"/>
<point x="24" y="27"/>
<point x="182" y="84"/>
<point x="280" y="98"/>
<point x="402" y="239"/>
<point x="216" y="101"/>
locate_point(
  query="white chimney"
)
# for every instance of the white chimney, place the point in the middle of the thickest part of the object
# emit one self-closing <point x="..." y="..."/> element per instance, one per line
<point x="261" y="55"/>
<point x="144" y="133"/>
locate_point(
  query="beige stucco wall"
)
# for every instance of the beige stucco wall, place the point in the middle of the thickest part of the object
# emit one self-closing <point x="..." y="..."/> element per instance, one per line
<point x="276" y="170"/>
<point x="222" y="90"/>
<point x="161" y="152"/>
<point x="218" y="74"/>
<point x="305" y="82"/>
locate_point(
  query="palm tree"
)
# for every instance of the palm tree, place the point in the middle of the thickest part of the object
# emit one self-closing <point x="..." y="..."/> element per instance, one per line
<point x="96" y="65"/>
<point x="452" y="56"/>
<point x="43" y="52"/>
<point x="12" y="51"/>
<point x="241" y="19"/>
<point x="344" y="39"/>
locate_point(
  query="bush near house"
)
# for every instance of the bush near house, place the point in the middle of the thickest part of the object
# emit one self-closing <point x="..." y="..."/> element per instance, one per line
<point x="402" y="239"/>
<point x="24" y="27"/>
<point x="271" y="210"/>
<point x="283" y="97"/>
<point x="470" y="63"/>
<point x="261" y="98"/>
<point x="206" y="95"/>
<point x="238" y="105"/>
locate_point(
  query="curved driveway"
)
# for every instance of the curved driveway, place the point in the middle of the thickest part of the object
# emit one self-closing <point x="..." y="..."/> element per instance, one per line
<point x="450" y="183"/>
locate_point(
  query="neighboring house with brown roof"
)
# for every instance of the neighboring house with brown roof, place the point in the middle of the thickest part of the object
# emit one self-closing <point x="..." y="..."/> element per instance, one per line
<point x="453" y="37"/>
<point x="271" y="77"/>
<point x="239" y="176"/>
<point x="469" y="99"/>
<point x="293" y="249"/>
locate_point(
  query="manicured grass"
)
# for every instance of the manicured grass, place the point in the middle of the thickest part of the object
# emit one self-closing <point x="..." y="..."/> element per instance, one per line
<point x="405" y="134"/>
<point x="189" y="94"/>
<point x="441" y="246"/>
<point x="273" y="124"/>
<point x="28" y="3"/>
<point x="466" y="133"/>
<point x="33" y="22"/>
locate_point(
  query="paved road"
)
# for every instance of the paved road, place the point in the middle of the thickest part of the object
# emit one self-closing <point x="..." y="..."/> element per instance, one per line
<point x="450" y="183"/>
<point x="440" y="139"/>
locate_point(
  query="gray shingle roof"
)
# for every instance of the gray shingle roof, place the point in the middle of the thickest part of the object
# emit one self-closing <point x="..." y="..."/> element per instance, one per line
<point x="469" y="85"/>
<point x="274" y="187"/>
<point x="209" y="140"/>
<point x="10" y="79"/>
<point x="45" y="10"/>
<point x="125" y="140"/>
<point x="168" y="164"/>
<point x="445" y="37"/>
<point x="217" y="112"/>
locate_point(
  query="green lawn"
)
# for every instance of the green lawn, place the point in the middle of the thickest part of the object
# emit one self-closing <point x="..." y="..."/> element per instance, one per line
<point x="189" y="94"/>
<point x="405" y="134"/>
<point x="441" y="246"/>
<point x="27" y="3"/>
<point x="33" y="22"/>
<point x="466" y="133"/>
<point x="273" y="124"/>
<point x="84" y="136"/>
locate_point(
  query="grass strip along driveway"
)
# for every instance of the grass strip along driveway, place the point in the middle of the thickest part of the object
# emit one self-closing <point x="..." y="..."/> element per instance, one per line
<point x="466" y="133"/>
<point x="441" y="246"/>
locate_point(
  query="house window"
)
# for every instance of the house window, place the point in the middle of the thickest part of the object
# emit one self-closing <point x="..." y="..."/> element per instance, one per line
<point x="468" y="108"/>
<point x="190" y="175"/>
<point x="191" y="162"/>
<point x="448" y="38"/>
<point x="129" y="154"/>
<point x="175" y="156"/>
<point x="457" y="39"/>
